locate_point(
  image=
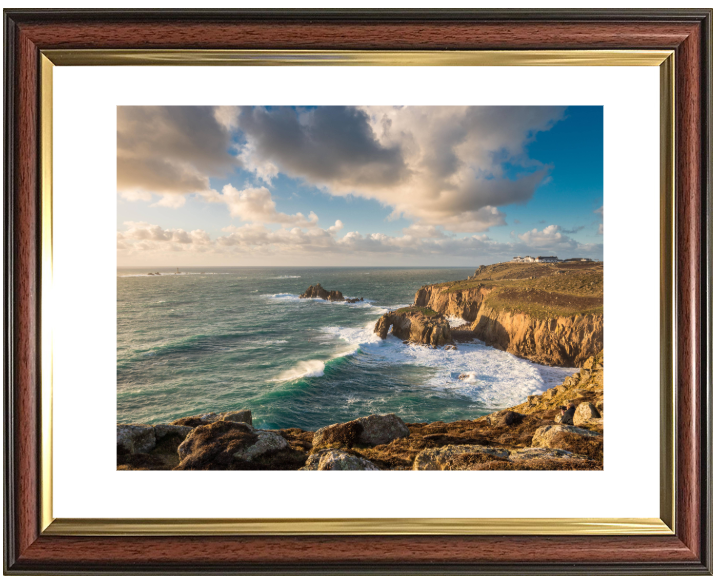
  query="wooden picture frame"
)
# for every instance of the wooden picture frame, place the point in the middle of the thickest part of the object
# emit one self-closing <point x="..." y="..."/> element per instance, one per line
<point x="31" y="547"/>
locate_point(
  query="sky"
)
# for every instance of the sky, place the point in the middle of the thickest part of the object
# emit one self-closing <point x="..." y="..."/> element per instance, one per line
<point x="357" y="186"/>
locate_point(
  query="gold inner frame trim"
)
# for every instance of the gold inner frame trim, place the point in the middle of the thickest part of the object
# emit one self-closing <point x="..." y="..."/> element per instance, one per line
<point x="359" y="526"/>
<point x="357" y="57"/>
<point x="664" y="525"/>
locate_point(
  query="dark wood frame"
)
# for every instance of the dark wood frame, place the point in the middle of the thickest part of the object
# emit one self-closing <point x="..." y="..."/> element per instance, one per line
<point x="687" y="32"/>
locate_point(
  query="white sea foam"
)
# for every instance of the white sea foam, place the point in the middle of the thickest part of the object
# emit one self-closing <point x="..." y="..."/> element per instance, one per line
<point x="294" y="297"/>
<point x="303" y="369"/>
<point x="495" y="378"/>
<point x="283" y="277"/>
<point x="454" y="321"/>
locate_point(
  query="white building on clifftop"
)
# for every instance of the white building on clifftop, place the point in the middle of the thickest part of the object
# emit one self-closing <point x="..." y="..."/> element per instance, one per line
<point x="535" y="259"/>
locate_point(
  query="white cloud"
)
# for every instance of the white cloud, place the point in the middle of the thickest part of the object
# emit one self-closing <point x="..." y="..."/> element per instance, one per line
<point x="171" y="150"/>
<point x="256" y="205"/>
<point x="256" y="240"/>
<point x="432" y="164"/>
<point x="550" y="237"/>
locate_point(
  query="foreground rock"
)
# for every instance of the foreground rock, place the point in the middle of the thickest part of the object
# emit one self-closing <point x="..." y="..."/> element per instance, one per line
<point x="135" y="438"/>
<point x="416" y="324"/>
<point x="585" y="413"/>
<point x="370" y="431"/>
<point x="225" y="445"/>
<point x="244" y="416"/>
<point x="543" y="454"/>
<point x="337" y="460"/>
<point x="318" y="291"/>
<point x="461" y="457"/>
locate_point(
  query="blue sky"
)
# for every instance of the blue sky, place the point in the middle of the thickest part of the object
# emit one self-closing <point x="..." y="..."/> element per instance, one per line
<point x="358" y="186"/>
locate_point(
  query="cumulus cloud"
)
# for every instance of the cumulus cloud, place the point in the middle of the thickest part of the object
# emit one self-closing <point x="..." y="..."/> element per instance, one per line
<point x="550" y="237"/>
<point x="435" y="165"/>
<point x="332" y="145"/>
<point x="256" y="205"/>
<point x="170" y="150"/>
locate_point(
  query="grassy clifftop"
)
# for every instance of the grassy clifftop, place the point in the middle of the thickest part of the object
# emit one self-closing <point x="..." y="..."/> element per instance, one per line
<point x="539" y="290"/>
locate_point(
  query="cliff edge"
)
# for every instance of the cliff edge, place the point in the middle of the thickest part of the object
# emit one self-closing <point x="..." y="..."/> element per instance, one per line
<point x="548" y="313"/>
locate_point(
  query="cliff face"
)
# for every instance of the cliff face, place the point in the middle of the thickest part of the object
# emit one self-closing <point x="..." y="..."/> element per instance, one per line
<point x="415" y="324"/>
<point x="557" y="341"/>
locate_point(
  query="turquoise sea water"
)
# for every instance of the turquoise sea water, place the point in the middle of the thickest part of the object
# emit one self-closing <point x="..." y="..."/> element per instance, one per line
<point x="216" y="339"/>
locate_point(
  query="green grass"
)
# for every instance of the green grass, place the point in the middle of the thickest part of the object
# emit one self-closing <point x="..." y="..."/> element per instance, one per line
<point x="424" y="310"/>
<point x="500" y="302"/>
<point x="540" y="290"/>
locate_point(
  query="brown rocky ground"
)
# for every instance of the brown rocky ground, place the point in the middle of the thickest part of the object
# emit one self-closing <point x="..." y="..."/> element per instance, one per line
<point x="525" y="437"/>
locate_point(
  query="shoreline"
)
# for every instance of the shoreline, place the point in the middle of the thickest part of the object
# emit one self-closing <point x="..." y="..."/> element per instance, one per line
<point x="528" y="436"/>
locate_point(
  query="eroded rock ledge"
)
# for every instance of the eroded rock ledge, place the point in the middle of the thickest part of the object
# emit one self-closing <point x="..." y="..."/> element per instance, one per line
<point x="415" y="324"/>
<point x="529" y="436"/>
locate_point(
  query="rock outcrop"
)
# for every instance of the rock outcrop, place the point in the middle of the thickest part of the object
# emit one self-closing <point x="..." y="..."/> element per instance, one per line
<point x="337" y="460"/>
<point x="415" y="324"/>
<point x="318" y="291"/>
<point x="456" y="457"/>
<point x="226" y="445"/>
<point x="202" y="419"/>
<point x="546" y="436"/>
<point x="135" y="438"/>
<point x="369" y="431"/>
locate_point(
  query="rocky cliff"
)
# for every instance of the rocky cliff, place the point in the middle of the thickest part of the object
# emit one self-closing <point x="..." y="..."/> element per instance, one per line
<point x="416" y="324"/>
<point x="548" y="313"/>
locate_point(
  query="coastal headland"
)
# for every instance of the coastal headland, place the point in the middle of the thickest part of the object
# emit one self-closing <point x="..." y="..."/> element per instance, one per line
<point x="548" y="313"/>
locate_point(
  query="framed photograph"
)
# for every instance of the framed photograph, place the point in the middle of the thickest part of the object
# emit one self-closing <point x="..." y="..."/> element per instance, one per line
<point x="244" y="248"/>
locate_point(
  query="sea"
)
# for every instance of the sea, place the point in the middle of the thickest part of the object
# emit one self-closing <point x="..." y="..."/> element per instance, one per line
<point x="217" y="339"/>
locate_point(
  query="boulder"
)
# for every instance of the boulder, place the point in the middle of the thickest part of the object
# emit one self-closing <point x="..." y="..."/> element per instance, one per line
<point x="135" y="438"/>
<point x="371" y="430"/>
<point x="225" y="445"/>
<point x="378" y="429"/>
<point x="202" y="419"/>
<point x="267" y="442"/>
<point x="568" y="416"/>
<point x="506" y="418"/>
<point x="237" y="416"/>
<point x="457" y="457"/>
<point x="542" y="453"/>
<point x="162" y="430"/>
<point x="585" y="412"/>
<point x="216" y="441"/>
<point x="337" y="460"/>
<point x="546" y="435"/>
